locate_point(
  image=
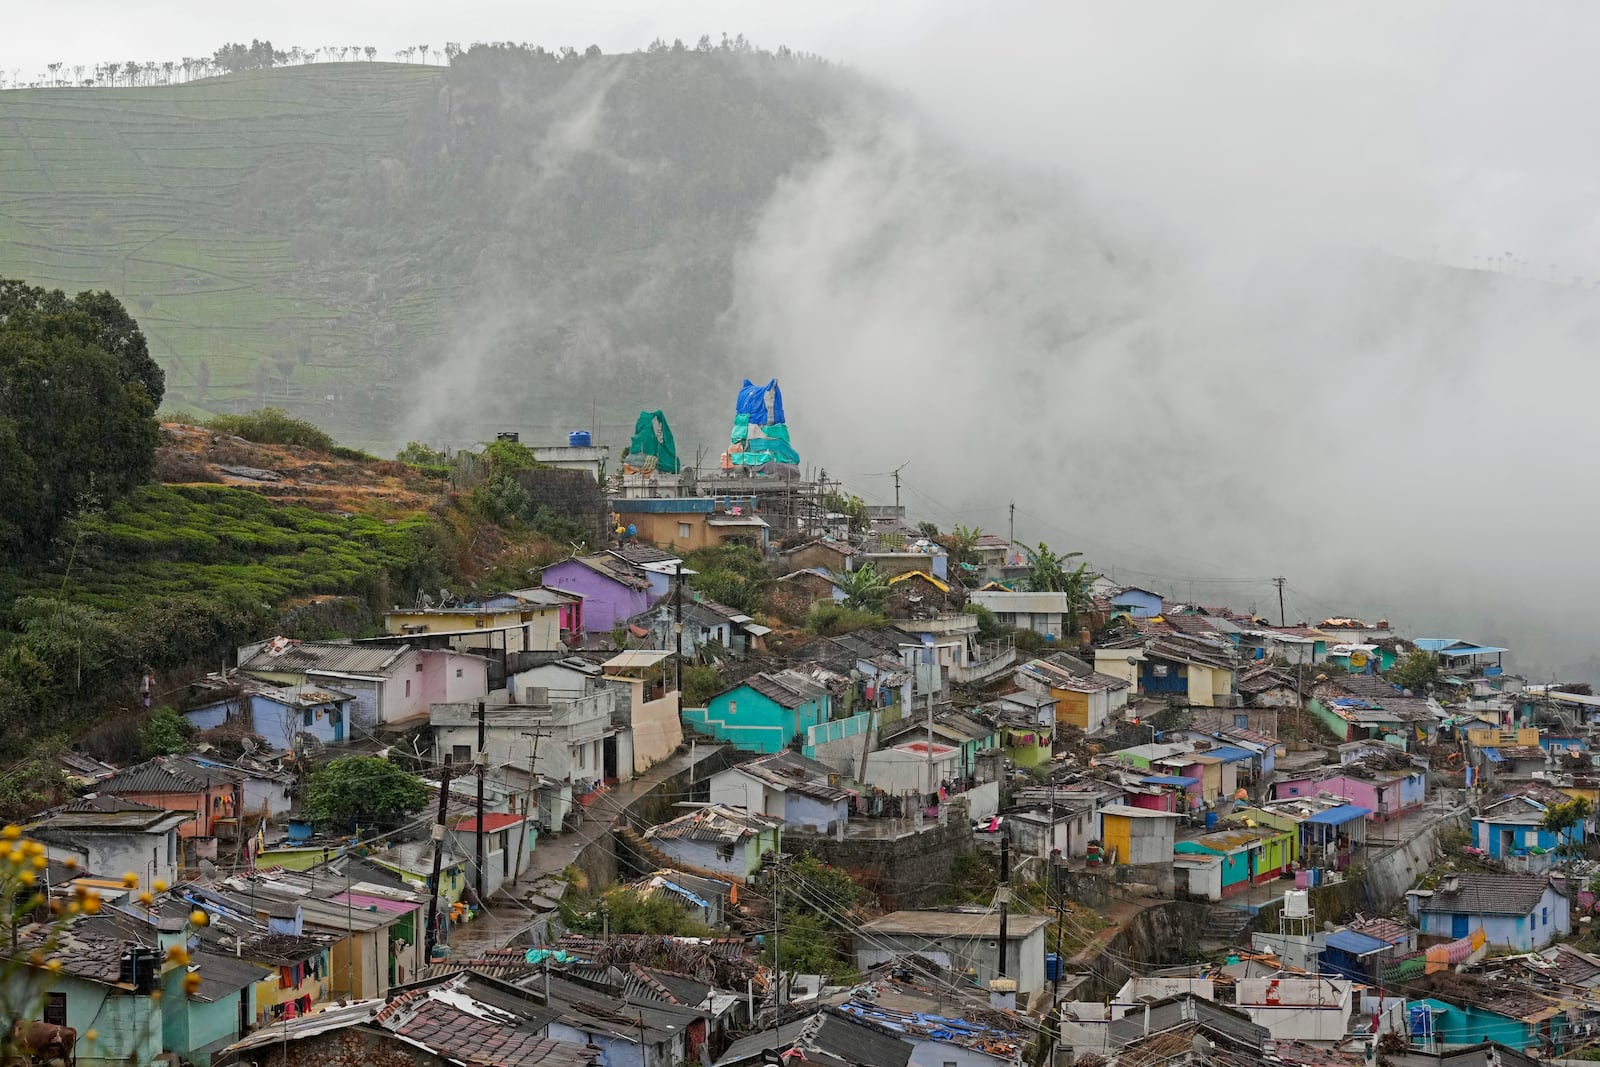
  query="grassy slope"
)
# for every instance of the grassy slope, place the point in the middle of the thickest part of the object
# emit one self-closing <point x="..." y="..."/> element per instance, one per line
<point x="164" y="196"/>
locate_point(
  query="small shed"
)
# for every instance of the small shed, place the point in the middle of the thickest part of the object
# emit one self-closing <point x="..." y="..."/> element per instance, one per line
<point x="1138" y="835"/>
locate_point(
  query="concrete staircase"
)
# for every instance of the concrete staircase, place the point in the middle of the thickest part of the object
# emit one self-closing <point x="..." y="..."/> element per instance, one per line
<point x="1225" y="924"/>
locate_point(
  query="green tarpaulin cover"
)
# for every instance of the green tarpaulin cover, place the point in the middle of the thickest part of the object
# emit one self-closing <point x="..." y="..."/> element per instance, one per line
<point x="652" y="438"/>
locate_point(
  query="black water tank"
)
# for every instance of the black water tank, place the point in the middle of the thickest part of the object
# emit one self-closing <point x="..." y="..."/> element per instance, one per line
<point x="140" y="967"/>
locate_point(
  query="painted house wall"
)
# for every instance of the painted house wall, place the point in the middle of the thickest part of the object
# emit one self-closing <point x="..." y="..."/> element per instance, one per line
<point x="1138" y="840"/>
<point x="1024" y="956"/>
<point x="114" y="853"/>
<point x="606" y="601"/>
<point x="198" y="1028"/>
<point x="536" y="628"/>
<point x="128" y="1029"/>
<point x="218" y="801"/>
<point x="1137" y="603"/>
<point x="657" y="725"/>
<point x="1525" y="830"/>
<point x="1522" y="933"/>
<point x="1468" y="1024"/>
<point x="742" y="861"/>
<point x="753" y="722"/>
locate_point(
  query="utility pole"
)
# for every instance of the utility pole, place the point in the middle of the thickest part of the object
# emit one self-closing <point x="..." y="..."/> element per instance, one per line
<point x="1279" y="583"/>
<point x="1003" y="897"/>
<point x="437" y="834"/>
<point x="483" y="838"/>
<point x="777" y="931"/>
<point x="527" y="801"/>
<point x="1012" y="538"/>
<point x="677" y="626"/>
<point x="896" y="473"/>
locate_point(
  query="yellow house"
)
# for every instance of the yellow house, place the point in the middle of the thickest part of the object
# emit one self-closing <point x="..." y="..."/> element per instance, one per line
<point x="1086" y="701"/>
<point x="520" y="627"/>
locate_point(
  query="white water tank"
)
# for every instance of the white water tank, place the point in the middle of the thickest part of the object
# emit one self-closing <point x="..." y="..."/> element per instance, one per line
<point x="1296" y="904"/>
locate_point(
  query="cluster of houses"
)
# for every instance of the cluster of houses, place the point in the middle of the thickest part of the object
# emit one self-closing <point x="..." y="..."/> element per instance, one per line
<point x="1176" y="752"/>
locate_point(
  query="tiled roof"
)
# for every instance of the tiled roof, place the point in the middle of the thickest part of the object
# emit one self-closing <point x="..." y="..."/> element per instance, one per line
<point x="450" y="1022"/>
<point x="716" y="823"/>
<point x="169" y="774"/>
<point x="640" y="554"/>
<point x="283" y="656"/>
<point x="1488" y="894"/>
<point x="785" y="688"/>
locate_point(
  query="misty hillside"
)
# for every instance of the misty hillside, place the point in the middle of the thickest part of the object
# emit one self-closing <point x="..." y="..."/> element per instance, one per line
<point x="396" y="249"/>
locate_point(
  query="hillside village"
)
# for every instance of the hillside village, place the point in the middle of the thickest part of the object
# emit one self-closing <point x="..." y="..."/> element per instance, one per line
<point x="927" y="797"/>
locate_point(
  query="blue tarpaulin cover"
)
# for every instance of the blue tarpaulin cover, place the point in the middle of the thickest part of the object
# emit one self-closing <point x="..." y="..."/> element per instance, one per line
<point x="1169" y="779"/>
<point x="1339" y="816"/>
<point x="1356" y="944"/>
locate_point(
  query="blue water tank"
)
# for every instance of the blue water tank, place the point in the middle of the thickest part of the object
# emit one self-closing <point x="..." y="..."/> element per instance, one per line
<point x="578" y="439"/>
<point x="1052" y="967"/>
<point x="1211" y="820"/>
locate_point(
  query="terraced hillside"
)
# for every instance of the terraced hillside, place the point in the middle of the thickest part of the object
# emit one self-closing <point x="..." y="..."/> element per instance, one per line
<point x="516" y="241"/>
<point x="182" y="201"/>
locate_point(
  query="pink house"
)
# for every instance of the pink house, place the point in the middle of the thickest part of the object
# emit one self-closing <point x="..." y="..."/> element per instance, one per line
<point x="1388" y="795"/>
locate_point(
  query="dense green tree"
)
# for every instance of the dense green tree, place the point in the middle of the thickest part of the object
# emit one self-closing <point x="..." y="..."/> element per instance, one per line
<point x="1418" y="672"/>
<point x="363" y="790"/>
<point x="164" y="733"/>
<point x="1048" y="573"/>
<point x="78" y="396"/>
<point x="1567" y="821"/>
<point x="865" y="588"/>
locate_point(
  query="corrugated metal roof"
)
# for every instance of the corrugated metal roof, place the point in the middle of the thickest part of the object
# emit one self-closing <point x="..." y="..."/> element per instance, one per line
<point x="301" y="657"/>
<point x="168" y="774"/>
<point x="1356" y="944"/>
<point x="716" y="822"/>
<point x="1338" y="816"/>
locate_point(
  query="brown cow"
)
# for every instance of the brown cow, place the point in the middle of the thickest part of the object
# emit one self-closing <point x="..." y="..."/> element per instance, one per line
<point x="45" y="1041"/>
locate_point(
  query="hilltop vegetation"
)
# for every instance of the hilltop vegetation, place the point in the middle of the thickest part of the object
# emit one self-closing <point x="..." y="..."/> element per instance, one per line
<point x="320" y="237"/>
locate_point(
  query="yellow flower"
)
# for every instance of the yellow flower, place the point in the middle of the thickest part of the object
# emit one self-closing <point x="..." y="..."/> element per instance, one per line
<point x="91" y="1035"/>
<point x="199" y="918"/>
<point x="191" y="983"/>
<point x="91" y="905"/>
<point x="26" y="878"/>
<point x="179" y="955"/>
<point x="53" y="965"/>
<point x="41" y="862"/>
<point x="36" y="958"/>
<point x="159" y="885"/>
<point x="11" y="833"/>
<point x="146" y="898"/>
<point x="130" y="880"/>
<point x="70" y="863"/>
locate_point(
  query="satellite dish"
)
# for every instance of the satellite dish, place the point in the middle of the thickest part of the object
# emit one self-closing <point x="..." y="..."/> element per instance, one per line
<point x="248" y="744"/>
<point x="1202" y="1047"/>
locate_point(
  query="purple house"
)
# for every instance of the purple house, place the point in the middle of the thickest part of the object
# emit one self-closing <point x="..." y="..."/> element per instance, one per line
<point x="612" y="589"/>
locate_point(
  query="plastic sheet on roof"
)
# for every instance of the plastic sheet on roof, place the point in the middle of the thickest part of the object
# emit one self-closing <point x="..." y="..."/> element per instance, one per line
<point x="760" y="435"/>
<point x="652" y="447"/>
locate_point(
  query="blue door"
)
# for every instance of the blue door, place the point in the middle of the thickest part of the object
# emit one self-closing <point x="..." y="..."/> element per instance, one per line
<point x="338" y="724"/>
<point x="1458" y="926"/>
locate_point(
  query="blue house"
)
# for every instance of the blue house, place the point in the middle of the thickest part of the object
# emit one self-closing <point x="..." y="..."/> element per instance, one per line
<point x="1136" y="602"/>
<point x="1521" y="912"/>
<point x="1514" y="824"/>
<point x="281" y="715"/>
<point x="765" y="712"/>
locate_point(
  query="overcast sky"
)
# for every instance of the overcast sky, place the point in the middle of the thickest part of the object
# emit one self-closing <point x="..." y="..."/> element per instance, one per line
<point x="38" y="32"/>
<point x="1152" y="262"/>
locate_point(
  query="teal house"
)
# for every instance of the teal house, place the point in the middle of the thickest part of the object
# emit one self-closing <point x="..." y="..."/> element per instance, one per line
<point x="764" y="713"/>
<point x="1439" y="1021"/>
